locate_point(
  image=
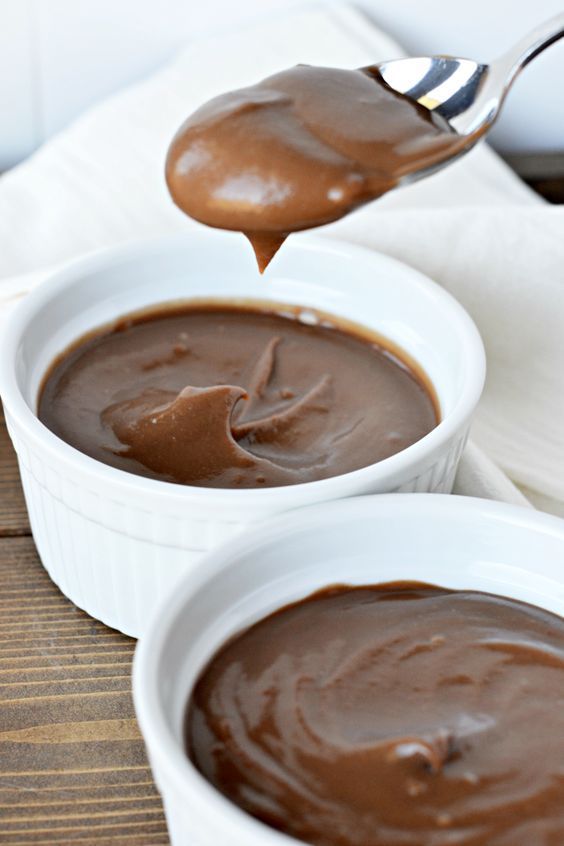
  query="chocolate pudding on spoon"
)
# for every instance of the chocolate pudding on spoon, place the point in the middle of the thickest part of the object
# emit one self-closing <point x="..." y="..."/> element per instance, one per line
<point x="300" y="149"/>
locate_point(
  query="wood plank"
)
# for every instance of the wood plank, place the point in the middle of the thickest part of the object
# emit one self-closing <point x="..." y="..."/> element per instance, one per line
<point x="13" y="514"/>
<point x="551" y="189"/>
<point x="543" y="172"/>
<point x="73" y="768"/>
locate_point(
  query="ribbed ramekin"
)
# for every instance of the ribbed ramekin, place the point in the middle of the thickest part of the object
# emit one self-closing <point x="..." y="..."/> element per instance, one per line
<point x="114" y="542"/>
<point x="453" y="542"/>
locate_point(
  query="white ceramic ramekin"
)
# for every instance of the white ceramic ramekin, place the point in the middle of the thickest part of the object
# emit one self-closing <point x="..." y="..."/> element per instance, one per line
<point x="453" y="542"/>
<point x="112" y="541"/>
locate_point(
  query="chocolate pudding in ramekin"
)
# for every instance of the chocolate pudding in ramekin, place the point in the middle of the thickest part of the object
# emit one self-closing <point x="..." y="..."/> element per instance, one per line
<point x="115" y="540"/>
<point x="379" y="670"/>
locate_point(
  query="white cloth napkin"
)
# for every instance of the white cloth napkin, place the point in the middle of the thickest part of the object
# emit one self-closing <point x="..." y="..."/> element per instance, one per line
<point x="475" y="228"/>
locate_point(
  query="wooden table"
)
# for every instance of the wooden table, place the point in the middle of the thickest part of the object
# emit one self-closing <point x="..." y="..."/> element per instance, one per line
<point x="73" y="768"/>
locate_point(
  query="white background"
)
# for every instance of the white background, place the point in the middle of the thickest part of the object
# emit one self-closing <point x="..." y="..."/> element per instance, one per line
<point x="59" y="56"/>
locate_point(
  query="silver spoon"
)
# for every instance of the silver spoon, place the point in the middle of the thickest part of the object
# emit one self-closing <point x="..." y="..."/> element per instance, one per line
<point x="466" y="94"/>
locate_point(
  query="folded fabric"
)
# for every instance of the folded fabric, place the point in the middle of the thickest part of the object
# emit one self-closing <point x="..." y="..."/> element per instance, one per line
<point x="474" y="227"/>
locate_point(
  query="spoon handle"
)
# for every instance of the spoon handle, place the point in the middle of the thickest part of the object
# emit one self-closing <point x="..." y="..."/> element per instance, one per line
<point x="545" y="34"/>
<point x="498" y="77"/>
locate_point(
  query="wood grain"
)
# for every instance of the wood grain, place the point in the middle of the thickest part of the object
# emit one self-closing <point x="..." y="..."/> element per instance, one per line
<point x="73" y="768"/>
<point x="543" y="172"/>
<point x="13" y="515"/>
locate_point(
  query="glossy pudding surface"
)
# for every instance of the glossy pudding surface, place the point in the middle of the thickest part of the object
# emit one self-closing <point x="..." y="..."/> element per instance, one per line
<point x="236" y="397"/>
